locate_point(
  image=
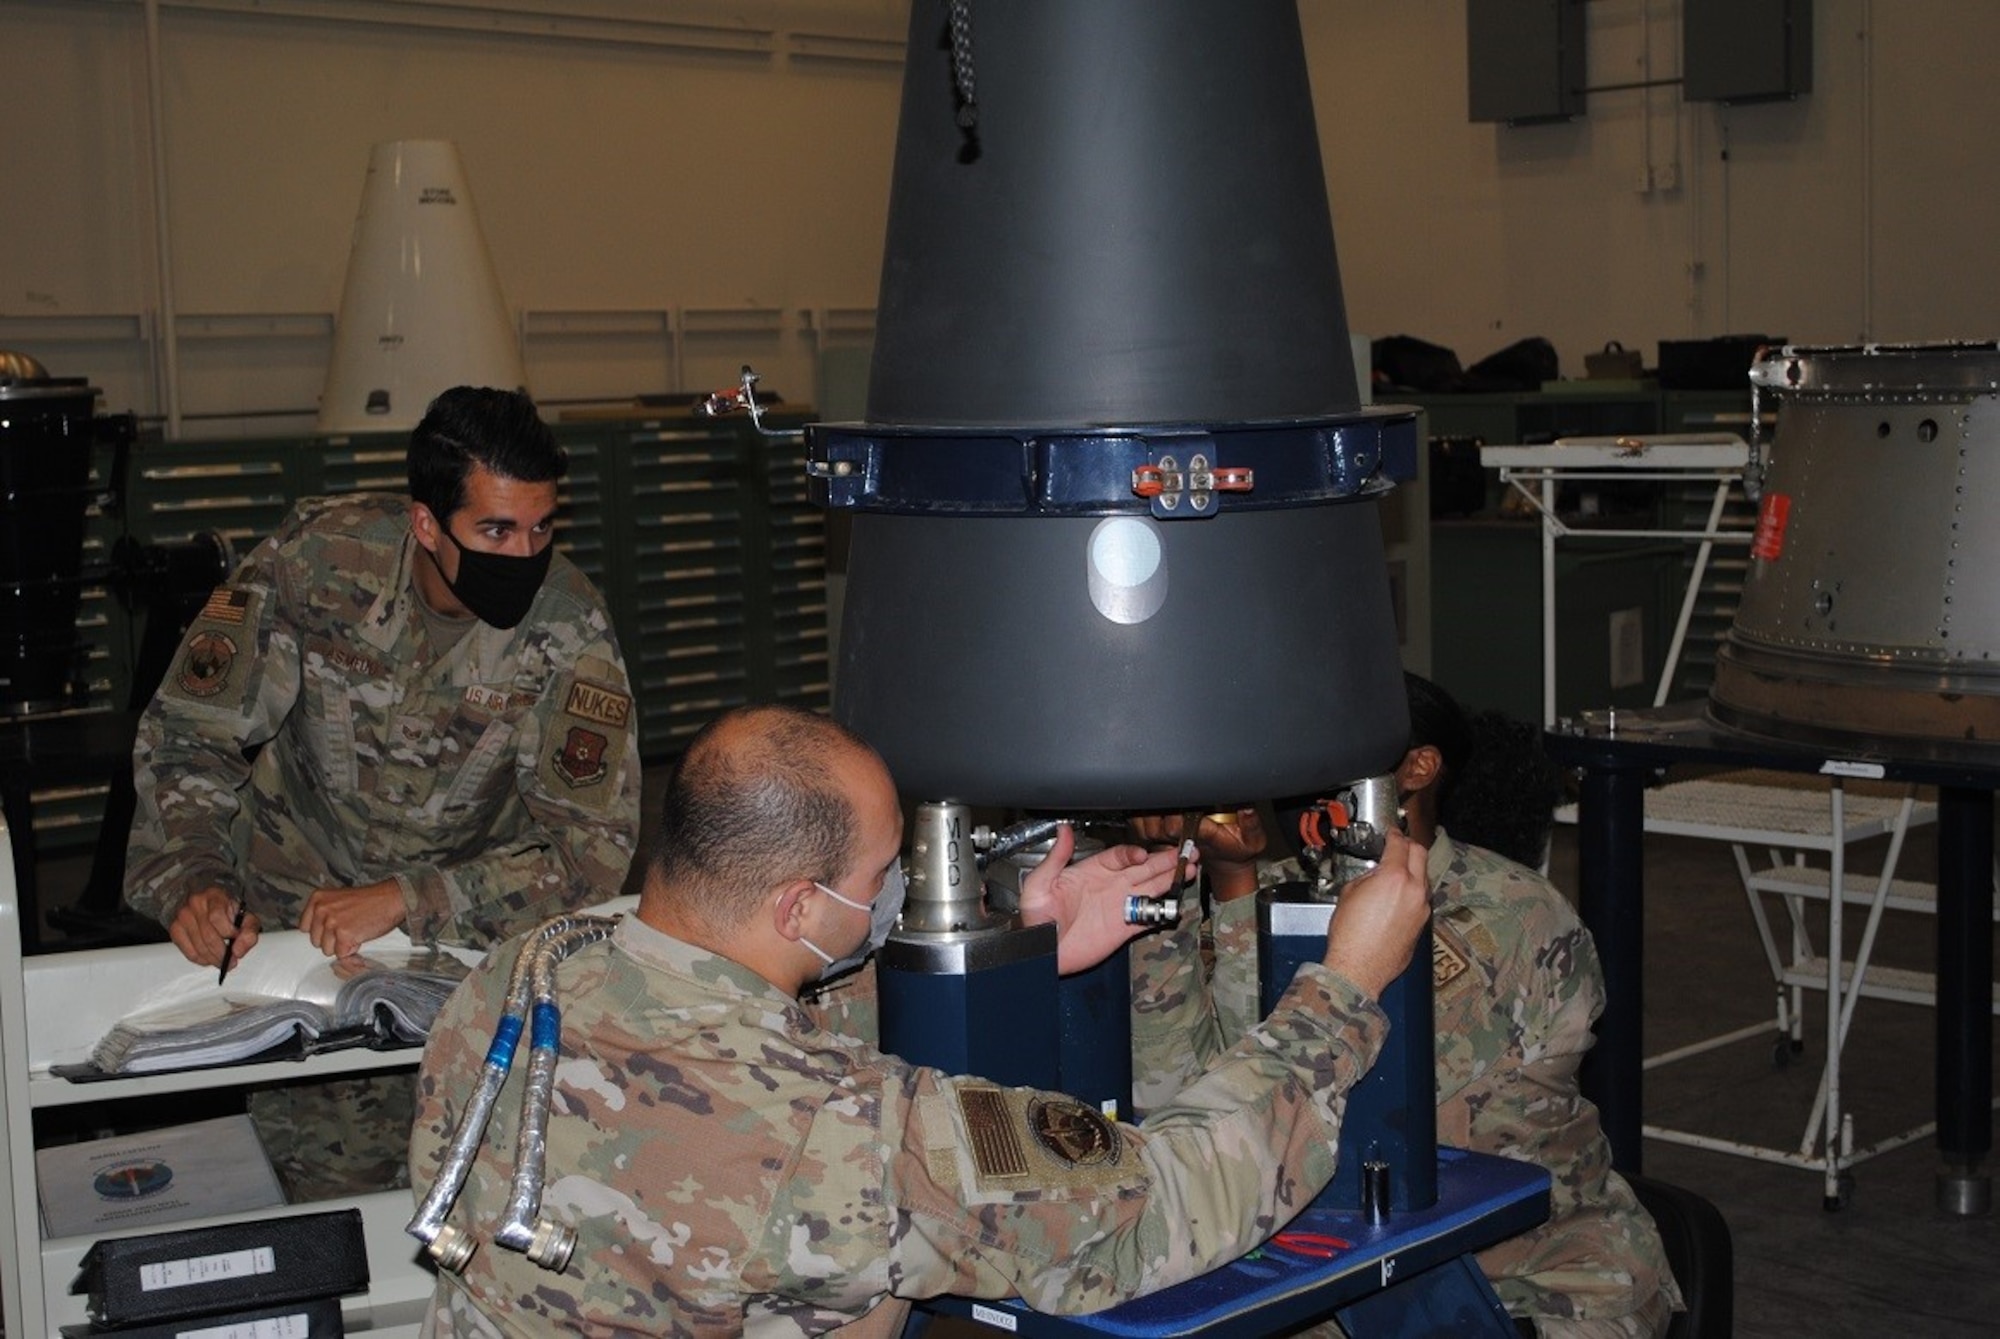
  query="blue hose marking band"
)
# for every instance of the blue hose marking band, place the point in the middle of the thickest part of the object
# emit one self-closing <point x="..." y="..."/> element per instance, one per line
<point x="505" y="1038"/>
<point x="548" y="1026"/>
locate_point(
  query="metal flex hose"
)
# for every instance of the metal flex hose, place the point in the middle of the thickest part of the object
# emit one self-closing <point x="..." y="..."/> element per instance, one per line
<point x="546" y="1243"/>
<point x="1021" y="835"/>
<point x="449" y="1246"/>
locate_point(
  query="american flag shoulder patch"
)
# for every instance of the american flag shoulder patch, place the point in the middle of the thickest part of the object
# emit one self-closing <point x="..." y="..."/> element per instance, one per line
<point x="226" y="605"/>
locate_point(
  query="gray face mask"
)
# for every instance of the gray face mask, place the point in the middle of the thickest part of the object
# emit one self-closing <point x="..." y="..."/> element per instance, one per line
<point x="882" y="917"/>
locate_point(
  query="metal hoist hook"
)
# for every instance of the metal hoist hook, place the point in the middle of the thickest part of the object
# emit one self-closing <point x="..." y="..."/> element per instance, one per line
<point x="743" y="396"/>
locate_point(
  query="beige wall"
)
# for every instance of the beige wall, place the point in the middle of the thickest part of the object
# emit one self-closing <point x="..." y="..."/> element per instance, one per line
<point x="615" y="180"/>
<point x="1862" y="211"/>
<point x="640" y="187"/>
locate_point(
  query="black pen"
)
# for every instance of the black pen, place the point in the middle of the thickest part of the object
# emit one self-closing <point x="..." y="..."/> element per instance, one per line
<point x="229" y="944"/>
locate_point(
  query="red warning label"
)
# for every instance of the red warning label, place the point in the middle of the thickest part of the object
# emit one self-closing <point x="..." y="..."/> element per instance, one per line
<point x="1769" y="541"/>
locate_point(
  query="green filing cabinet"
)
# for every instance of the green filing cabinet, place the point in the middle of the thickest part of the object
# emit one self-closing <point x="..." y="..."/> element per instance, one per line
<point x="1486" y="592"/>
<point x="795" y="595"/>
<point x="699" y="534"/>
<point x="727" y="565"/>
<point x="65" y="817"/>
<point x="174" y="491"/>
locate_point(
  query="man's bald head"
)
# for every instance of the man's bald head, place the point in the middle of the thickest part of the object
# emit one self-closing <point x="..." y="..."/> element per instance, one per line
<point x="762" y="795"/>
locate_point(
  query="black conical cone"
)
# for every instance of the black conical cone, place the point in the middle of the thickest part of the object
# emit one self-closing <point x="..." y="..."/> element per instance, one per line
<point x="1135" y="231"/>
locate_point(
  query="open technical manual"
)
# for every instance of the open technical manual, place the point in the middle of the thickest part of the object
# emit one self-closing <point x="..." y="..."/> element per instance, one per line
<point x="280" y="1003"/>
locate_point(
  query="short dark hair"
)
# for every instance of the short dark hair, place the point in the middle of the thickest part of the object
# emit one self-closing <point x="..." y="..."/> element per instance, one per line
<point x="477" y="425"/>
<point x="754" y="802"/>
<point x="1499" y="789"/>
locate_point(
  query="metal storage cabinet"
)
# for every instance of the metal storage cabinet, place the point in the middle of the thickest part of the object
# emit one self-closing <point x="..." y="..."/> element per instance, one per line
<point x="727" y="573"/>
<point x="66" y="816"/>
<point x="584" y="526"/>
<point x="375" y="463"/>
<point x="239" y="490"/>
<point x="685" y="541"/>
<point x="795" y="597"/>
<point x="174" y="491"/>
<point x="1490" y="416"/>
<point x="699" y="534"/>
<point x="1487" y="602"/>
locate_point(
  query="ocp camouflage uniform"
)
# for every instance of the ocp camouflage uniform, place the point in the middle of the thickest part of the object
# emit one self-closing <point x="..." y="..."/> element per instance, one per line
<point x="310" y="735"/>
<point x="1518" y="987"/>
<point x="731" y="1168"/>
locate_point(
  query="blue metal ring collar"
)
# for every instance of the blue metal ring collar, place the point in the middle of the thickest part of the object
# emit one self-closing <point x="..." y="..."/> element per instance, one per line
<point x="1071" y="471"/>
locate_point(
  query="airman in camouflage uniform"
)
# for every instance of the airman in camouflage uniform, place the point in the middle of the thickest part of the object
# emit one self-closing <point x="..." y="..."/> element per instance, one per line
<point x="732" y="1169"/>
<point x="497" y="783"/>
<point x="327" y="728"/>
<point x="1517" y="988"/>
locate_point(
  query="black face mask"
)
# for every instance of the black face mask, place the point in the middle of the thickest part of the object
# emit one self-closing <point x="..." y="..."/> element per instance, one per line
<point x="497" y="587"/>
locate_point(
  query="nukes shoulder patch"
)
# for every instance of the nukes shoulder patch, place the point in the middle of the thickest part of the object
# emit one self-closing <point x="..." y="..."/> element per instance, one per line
<point x="585" y="744"/>
<point x="1448" y="961"/>
<point x="598" y="703"/>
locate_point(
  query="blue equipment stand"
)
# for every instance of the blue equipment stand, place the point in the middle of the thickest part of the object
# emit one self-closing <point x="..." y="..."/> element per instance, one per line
<point x="1410" y="1276"/>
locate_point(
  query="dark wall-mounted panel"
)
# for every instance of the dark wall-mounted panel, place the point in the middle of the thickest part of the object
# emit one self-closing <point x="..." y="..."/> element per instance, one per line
<point x="1524" y="60"/>
<point x="1746" y="50"/>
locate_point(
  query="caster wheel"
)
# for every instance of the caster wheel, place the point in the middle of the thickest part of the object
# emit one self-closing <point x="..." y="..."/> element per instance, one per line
<point x="1781" y="1055"/>
<point x="1843" y="1193"/>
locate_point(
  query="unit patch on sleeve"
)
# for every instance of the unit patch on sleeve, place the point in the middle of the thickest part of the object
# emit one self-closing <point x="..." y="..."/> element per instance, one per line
<point x="580" y="760"/>
<point x="1072" y="1132"/>
<point x="584" y="747"/>
<point x="205" y="663"/>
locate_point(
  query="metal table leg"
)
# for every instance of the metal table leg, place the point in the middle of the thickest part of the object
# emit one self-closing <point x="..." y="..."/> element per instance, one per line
<point x="1611" y="900"/>
<point x="1965" y="999"/>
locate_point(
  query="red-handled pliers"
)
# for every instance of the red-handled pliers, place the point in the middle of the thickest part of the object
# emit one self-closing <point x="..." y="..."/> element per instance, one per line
<point x="1314" y="1245"/>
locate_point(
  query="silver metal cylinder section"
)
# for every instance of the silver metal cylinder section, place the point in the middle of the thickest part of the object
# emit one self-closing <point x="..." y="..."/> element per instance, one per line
<point x="1870" y="608"/>
<point x="1964" y="1194"/>
<point x="1137" y="231"/>
<point x="944" y="889"/>
<point x="976" y="656"/>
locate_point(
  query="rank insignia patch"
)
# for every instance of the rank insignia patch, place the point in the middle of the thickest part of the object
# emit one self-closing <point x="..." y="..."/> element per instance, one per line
<point x="1072" y="1132"/>
<point x="205" y="663"/>
<point x="580" y="761"/>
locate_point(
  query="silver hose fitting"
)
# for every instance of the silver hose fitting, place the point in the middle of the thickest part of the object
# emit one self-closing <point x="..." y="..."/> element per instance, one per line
<point x="1151" y="910"/>
<point x="452" y="1247"/>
